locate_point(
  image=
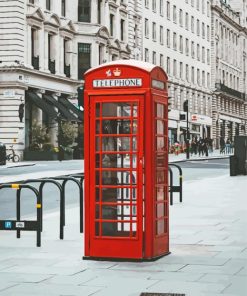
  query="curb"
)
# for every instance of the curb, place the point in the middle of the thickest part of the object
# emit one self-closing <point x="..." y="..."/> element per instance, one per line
<point x="20" y="165"/>
<point x="200" y="159"/>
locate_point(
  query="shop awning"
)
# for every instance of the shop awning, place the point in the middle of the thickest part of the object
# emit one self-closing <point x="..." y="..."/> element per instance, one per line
<point x="40" y="103"/>
<point x="65" y="113"/>
<point x="72" y="107"/>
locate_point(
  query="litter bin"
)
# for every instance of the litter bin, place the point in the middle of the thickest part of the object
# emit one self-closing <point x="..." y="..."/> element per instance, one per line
<point x="233" y="165"/>
<point x="2" y="154"/>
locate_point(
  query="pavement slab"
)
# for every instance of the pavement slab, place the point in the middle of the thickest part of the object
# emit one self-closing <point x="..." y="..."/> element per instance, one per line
<point x="208" y="252"/>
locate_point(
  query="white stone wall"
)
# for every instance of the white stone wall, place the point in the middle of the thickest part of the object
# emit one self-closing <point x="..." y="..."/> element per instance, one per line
<point x="182" y="86"/>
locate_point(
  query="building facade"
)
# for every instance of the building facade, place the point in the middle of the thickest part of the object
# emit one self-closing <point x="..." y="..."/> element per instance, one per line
<point x="176" y="36"/>
<point x="228" y="61"/>
<point x="45" y="48"/>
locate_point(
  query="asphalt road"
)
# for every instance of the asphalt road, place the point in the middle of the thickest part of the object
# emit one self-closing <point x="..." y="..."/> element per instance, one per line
<point x="192" y="170"/>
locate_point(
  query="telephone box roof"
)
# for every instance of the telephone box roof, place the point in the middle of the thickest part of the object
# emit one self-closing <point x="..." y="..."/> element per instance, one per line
<point x="148" y="67"/>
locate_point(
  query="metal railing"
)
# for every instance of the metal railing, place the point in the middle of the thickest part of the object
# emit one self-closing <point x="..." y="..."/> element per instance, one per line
<point x="175" y="188"/>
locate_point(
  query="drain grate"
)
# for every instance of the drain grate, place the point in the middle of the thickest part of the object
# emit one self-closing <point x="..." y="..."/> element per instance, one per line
<point x="161" y="294"/>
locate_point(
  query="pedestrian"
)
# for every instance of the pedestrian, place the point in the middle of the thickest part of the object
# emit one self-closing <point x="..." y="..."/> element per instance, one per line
<point x="206" y="146"/>
<point x="228" y="146"/>
<point x="222" y="145"/>
<point x="200" y="147"/>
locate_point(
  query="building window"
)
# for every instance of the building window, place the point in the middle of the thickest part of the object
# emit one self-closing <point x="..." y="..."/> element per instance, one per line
<point x="203" y="54"/>
<point x="31" y="1"/>
<point x="168" y="12"/>
<point x="161" y="61"/>
<point x="198" y="77"/>
<point x="181" y="70"/>
<point x="161" y="7"/>
<point x="146" y="28"/>
<point x="154" y="31"/>
<point x="187" y="21"/>
<point x="198" y="4"/>
<point x="168" y="65"/>
<point x="168" y="38"/>
<point x="122" y="30"/>
<point x="187" y="46"/>
<point x="154" y="5"/>
<point x="63" y="8"/>
<point x="208" y="80"/>
<point x="192" y="3"/>
<point x="192" y="74"/>
<point x="146" y="55"/>
<point x="198" y="27"/>
<point x="174" y="68"/>
<point x="147" y="3"/>
<point x="203" y="30"/>
<point x="112" y="21"/>
<point x="99" y="11"/>
<point x="198" y="52"/>
<point x="154" y="57"/>
<point x="84" y="58"/>
<point x="203" y="79"/>
<point x="208" y="57"/>
<point x="48" y="4"/>
<point x="34" y="46"/>
<point x="180" y="17"/>
<point x="175" y="41"/>
<point x="208" y="8"/>
<point x="203" y="6"/>
<point x="192" y="49"/>
<point x="161" y="35"/>
<point x="174" y="14"/>
<point x="181" y="43"/>
<point x="208" y="33"/>
<point x="84" y="11"/>
<point x="187" y="73"/>
<point x="192" y="24"/>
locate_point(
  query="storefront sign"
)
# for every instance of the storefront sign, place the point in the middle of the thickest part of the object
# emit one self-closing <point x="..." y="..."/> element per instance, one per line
<point x="130" y="82"/>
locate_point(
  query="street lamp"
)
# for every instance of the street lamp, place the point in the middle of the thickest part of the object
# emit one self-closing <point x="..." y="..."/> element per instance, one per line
<point x="186" y="109"/>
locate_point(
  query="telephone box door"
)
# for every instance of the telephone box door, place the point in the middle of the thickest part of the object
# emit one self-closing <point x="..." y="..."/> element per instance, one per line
<point x="116" y="180"/>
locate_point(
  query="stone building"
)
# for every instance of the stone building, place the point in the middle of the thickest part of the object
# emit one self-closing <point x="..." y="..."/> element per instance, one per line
<point x="45" y="48"/>
<point x="228" y="69"/>
<point x="176" y="36"/>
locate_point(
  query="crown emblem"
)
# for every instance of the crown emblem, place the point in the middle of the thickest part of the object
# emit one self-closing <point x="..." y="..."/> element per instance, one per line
<point x="117" y="72"/>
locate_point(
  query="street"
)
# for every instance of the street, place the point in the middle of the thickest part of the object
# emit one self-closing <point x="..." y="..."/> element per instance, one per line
<point x="192" y="170"/>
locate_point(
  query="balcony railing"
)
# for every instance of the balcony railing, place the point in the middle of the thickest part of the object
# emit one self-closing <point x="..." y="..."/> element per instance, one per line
<point x="35" y="62"/>
<point x="67" y="70"/>
<point x="222" y="87"/>
<point x="52" y="66"/>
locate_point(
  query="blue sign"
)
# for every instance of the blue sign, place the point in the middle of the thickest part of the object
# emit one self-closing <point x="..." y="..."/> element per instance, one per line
<point x="8" y="224"/>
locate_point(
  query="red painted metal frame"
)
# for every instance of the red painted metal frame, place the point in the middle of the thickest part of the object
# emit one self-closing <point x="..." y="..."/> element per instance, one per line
<point x="148" y="245"/>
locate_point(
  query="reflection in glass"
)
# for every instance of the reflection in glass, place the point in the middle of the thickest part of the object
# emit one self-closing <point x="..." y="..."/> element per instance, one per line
<point x="160" y="127"/>
<point x="160" y="143"/>
<point x="119" y="109"/>
<point x="160" y="110"/>
<point x="160" y="193"/>
<point x="160" y="227"/>
<point x="116" y="161"/>
<point x="161" y="159"/>
<point x="160" y="177"/>
<point x="160" y="210"/>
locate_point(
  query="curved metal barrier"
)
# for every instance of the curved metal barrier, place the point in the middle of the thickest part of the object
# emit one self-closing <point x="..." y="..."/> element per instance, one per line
<point x="41" y="186"/>
<point x="65" y="179"/>
<point x="175" y="188"/>
<point x="24" y="225"/>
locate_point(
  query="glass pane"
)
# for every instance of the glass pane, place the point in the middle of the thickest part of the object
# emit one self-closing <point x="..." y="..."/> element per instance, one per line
<point x="160" y="143"/>
<point x="97" y="110"/>
<point x="116" y="126"/>
<point x="160" y="227"/>
<point x="119" y="110"/>
<point x="160" y="177"/>
<point x="160" y="210"/>
<point x="160" y="193"/>
<point x="160" y="110"/>
<point x="110" y="194"/>
<point x="160" y="127"/>
<point x="116" y="161"/>
<point x="113" y="143"/>
<point x="97" y="127"/>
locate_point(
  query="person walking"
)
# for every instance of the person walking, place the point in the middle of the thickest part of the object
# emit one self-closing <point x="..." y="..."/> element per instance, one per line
<point x="222" y="145"/>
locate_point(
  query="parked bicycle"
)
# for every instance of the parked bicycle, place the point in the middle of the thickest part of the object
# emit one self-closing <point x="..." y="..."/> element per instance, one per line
<point x="12" y="156"/>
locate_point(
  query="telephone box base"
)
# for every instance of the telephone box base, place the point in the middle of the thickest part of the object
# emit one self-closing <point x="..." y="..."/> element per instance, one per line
<point x="125" y="259"/>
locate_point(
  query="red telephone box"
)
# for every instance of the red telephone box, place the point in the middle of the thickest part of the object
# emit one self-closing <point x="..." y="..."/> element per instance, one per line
<point x="126" y="161"/>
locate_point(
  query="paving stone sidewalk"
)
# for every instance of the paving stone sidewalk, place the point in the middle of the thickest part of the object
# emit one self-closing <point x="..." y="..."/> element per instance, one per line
<point x="208" y="245"/>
